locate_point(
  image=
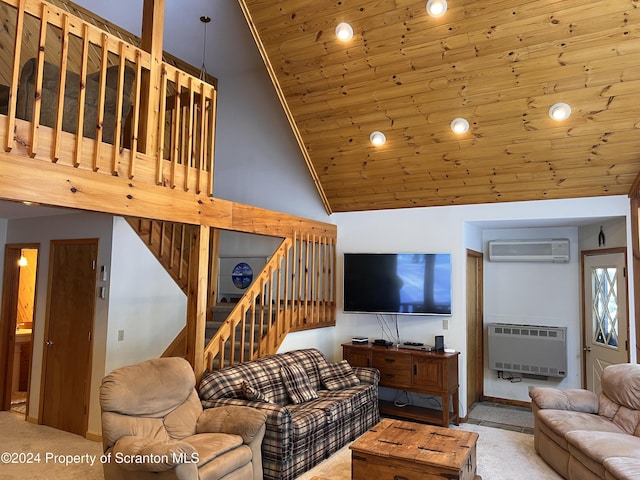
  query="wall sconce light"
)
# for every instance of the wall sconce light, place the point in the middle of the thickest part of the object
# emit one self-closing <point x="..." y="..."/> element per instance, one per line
<point x="344" y="32"/>
<point x="560" y="111"/>
<point x="459" y="125"/>
<point x="22" y="261"/>
<point x="436" y="8"/>
<point x="377" y="138"/>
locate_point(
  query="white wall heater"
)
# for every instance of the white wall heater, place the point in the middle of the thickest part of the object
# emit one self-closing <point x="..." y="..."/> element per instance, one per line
<point x="528" y="349"/>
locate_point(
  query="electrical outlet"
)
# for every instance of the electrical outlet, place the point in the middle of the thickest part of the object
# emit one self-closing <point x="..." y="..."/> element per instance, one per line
<point x="120" y="335"/>
<point x="445" y="324"/>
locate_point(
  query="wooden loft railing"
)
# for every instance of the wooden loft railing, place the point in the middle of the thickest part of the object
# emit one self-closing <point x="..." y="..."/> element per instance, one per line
<point x="101" y="75"/>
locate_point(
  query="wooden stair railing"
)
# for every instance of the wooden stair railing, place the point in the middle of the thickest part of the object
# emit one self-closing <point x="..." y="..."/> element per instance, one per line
<point x="294" y="291"/>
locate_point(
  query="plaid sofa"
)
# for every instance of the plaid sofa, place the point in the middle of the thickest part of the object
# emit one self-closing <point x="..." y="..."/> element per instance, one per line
<point x="298" y="435"/>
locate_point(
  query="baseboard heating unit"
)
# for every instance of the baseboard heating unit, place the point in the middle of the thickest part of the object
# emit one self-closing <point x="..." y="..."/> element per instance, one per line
<point x="528" y="349"/>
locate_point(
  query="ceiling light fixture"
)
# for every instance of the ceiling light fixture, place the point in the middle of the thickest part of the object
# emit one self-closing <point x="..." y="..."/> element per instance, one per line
<point x="377" y="138"/>
<point x="436" y="8"/>
<point x="203" y="69"/>
<point x="344" y="32"/>
<point x="560" y="111"/>
<point x="459" y="125"/>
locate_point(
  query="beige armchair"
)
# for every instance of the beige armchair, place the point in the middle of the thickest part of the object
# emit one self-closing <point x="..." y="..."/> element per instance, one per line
<point x="153" y="426"/>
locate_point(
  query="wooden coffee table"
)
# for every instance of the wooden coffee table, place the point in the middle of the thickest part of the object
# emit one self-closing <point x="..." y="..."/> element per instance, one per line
<point x="401" y="450"/>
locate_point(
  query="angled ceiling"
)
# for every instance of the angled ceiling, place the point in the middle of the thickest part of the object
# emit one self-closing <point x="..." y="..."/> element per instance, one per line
<point x="499" y="64"/>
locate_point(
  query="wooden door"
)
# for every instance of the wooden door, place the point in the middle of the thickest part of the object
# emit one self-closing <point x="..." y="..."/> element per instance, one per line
<point x="605" y="319"/>
<point x="68" y="335"/>
<point x="475" y="361"/>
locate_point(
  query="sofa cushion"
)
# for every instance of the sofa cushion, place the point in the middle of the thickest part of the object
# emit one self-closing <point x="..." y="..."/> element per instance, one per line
<point x="296" y="381"/>
<point x="622" y="468"/>
<point x="621" y="384"/>
<point x="592" y="448"/>
<point x="557" y="423"/>
<point x="227" y="382"/>
<point x="339" y="375"/>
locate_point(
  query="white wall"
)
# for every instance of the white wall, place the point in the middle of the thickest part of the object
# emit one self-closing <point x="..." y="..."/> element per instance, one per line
<point x="144" y="302"/>
<point x="546" y="294"/>
<point x="444" y="229"/>
<point x="258" y="161"/>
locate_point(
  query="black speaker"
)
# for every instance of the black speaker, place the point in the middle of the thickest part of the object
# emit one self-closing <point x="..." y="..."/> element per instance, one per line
<point x="439" y="343"/>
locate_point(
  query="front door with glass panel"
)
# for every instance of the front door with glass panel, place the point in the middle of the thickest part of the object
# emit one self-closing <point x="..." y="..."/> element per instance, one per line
<point x="605" y="315"/>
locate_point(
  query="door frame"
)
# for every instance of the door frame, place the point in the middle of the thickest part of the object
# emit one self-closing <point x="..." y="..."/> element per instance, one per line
<point x="583" y="324"/>
<point x="43" y="371"/>
<point x="478" y="258"/>
<point x="10" y="288"/>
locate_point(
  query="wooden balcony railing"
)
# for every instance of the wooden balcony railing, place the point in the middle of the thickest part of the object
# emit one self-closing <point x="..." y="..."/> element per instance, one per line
<point x="76" y="96"/>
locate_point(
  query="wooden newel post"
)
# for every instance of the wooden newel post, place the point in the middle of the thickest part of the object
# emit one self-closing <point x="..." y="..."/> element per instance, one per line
<point x="197" y="297"/>
<point x="152" y="32"/>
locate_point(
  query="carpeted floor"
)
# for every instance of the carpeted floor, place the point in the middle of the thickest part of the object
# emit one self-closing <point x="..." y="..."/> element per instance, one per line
<point x="503" y="454"/>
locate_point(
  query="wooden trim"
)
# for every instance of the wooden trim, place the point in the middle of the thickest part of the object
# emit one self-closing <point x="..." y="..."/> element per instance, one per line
<point x="479" y="360"/>
<point x="635" y="252"/>
<point x="26" y="179"/>
<point x="505" y="401"/>
<point x="197" y="298"/>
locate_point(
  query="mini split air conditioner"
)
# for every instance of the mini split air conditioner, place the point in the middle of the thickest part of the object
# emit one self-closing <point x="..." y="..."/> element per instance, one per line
<point x="553" y="250"/>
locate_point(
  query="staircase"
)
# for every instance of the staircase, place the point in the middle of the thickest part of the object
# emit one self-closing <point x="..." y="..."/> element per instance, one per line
<point x="294" y="291"/>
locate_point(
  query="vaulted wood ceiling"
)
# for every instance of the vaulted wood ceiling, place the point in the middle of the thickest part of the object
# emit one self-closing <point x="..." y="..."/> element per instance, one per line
<point x="501" y="64"/>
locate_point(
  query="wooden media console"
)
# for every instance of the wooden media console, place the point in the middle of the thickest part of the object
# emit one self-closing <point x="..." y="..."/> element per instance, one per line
<point x="410" y="370"/>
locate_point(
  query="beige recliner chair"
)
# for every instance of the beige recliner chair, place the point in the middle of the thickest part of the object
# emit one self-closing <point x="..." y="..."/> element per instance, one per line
<point x="153" y="426"/>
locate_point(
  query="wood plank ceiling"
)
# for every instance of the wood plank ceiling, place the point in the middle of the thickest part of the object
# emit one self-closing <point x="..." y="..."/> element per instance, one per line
<point x="500" y="64"/>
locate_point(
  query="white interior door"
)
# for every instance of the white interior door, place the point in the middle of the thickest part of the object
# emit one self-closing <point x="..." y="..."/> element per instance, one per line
<point x="605" y="317"/>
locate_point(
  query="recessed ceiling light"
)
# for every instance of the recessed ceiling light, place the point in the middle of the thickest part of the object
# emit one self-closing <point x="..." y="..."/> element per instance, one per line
<point x="377" y="138"/>
<point x="344" y="32"/>
<point x="560" y="111"/>
<point x="459" y="125"/>
<point x="436" y="8"/>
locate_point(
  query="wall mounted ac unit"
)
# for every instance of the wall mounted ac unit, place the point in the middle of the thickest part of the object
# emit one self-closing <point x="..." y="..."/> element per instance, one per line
<point x="553" y="250"/>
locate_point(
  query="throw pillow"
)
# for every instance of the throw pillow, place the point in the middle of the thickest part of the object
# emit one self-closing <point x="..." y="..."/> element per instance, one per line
<point x="252" y="393"/>
<point x="336" y="376"/>
<point x="296" y="381"/>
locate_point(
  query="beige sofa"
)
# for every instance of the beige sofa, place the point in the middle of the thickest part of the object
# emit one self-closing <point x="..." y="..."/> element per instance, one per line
<point x="584" y="436"/>
<point x="153" y="426"/>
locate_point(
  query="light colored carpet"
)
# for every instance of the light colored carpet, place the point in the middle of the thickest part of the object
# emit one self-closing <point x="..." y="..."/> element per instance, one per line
<point x="53" y="454"/>
<point x="501" y="455"/>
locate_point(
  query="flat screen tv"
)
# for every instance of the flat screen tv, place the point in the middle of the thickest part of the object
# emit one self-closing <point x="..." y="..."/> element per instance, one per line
<point x="404" y="283"/>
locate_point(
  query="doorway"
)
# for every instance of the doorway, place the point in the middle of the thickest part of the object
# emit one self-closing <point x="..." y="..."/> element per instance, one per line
<point x="475" y="328"/>
<point x="16" y="325"/>
<point x="66" y="369"/>
<point x="605" y="321"/>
